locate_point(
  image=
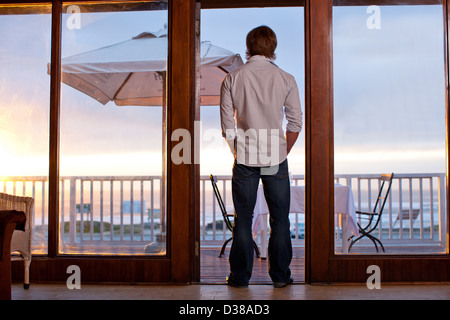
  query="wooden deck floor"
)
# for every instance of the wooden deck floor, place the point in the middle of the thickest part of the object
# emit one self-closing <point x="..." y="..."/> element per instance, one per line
<point x="214" y="270"/>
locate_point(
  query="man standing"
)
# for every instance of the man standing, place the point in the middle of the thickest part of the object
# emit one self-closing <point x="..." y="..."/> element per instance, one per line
<point x="254" y="99"/>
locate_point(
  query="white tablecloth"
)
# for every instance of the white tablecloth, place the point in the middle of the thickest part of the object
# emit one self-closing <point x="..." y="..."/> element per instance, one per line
<point x="344" y="205"/>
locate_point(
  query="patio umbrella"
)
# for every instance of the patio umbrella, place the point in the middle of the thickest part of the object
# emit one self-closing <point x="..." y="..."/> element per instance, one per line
<point x="133" y="72"/>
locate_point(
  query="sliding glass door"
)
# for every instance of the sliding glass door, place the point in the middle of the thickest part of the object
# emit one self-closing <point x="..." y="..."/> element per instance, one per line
<point x="389" y="117"/>
<point x="24" y="110"/>
<point x="113" y="129"/>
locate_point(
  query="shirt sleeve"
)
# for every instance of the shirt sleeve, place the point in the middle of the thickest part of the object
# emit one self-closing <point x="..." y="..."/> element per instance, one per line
<point x="293" y="109"/>
<point x="227" y="119"/>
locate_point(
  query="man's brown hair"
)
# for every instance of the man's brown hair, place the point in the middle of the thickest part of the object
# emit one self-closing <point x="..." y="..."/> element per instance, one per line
<point x="261" y="41"/>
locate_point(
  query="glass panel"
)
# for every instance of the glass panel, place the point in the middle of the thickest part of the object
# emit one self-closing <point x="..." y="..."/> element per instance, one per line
<point x="113" y="128"/>
<point x="24" y="110"/>
<point x="215" y="155"/>
<point x="389" y="101"/>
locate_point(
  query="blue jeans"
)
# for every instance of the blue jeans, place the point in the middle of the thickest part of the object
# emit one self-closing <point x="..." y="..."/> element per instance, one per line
<point x="277" y="193"/>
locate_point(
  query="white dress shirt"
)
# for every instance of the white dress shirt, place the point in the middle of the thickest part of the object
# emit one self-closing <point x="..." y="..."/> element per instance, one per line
<point x="254" y="98"/>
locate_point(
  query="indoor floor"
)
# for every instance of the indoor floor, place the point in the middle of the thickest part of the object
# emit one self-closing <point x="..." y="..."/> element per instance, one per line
<point x="223" y="292"/>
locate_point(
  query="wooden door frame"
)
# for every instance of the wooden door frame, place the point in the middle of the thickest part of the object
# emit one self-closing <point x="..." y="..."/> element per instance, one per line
<point x="185" y="184"/>
<point x="230" y="4"/>
<point x="176" y="266"/>
<point x="180" y="264"/>
<point x="322" y="264"/>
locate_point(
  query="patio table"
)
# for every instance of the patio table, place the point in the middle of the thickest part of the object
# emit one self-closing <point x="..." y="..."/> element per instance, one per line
<point x="344" y="206"/>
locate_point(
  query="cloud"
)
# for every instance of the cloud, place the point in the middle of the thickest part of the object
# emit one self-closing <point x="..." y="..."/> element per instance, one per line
<point x="389" y="83"/>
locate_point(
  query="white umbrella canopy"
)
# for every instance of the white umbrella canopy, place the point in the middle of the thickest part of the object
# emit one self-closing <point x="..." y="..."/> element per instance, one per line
<point x="131" y="72"/>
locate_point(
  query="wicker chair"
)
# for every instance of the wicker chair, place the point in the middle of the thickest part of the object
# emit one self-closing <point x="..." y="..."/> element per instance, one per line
<point x="21" y="240"/>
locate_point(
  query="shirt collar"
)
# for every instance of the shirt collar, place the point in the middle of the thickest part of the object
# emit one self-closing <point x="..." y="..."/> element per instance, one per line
<point x="258" y="58"/>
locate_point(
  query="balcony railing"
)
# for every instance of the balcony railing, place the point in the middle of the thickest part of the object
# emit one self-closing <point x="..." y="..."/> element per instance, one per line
<point x="414" y="219"/>
<point x="126" y="212"/>
<point x="415" y="214"/>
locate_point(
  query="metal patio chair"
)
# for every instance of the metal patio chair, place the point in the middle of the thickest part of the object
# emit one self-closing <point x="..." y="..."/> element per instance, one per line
<point x="373" y="218"/>
<point x="226" y="217"/>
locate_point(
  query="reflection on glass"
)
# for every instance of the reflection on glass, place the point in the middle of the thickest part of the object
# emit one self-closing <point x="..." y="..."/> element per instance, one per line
<point x="24" y="110"/>
<point x="389" y="100"/>
<point x="112" y="129"/>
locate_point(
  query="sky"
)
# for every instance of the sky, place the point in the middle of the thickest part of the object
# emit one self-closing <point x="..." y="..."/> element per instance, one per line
<point x="388" y="92"/>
